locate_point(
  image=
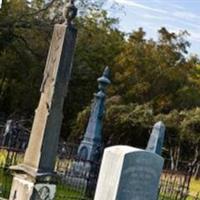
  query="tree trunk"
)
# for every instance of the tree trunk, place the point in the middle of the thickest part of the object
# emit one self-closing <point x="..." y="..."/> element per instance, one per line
<point x="171" y="158"/>
<point x="178" y="148"/>
<point x="196" y="174"/>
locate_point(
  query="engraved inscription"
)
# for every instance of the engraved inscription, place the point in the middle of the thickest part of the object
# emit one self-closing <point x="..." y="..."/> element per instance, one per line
<point x="140" y="177"/>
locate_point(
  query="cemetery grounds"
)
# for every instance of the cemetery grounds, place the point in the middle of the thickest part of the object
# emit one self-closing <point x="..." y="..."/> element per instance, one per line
<point x="64" y="191"/>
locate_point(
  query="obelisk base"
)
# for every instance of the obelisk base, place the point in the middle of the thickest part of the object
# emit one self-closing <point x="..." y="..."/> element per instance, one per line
<point x="25" y="187"/>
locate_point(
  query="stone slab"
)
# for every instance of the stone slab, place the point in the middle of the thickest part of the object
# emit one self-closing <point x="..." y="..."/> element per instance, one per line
<point x="24" y="188"/>
<point x="129" y="173"/>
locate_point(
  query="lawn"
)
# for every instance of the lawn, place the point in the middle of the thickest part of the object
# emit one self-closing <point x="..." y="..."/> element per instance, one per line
<point x="66" y="192"/>
<point x="194" y="191"/>
<point x="63" y="191"/>
<point x="2" y="157"/>
<point x="194" y="187"/>
<point x="5" y="183"/>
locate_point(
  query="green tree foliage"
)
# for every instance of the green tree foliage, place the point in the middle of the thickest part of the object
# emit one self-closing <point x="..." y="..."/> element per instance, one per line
<point x="23" y="48"/>
<point x="98" y="43"/>
<point x="151" y="79"/>
<point x="24" y="41"/>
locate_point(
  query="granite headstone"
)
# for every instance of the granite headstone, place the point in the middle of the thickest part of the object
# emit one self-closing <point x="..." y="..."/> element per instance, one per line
<point x="128" y="173"/>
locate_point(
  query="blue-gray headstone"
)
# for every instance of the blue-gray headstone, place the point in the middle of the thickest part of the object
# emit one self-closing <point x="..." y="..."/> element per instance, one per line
<point x="156" y="140"/>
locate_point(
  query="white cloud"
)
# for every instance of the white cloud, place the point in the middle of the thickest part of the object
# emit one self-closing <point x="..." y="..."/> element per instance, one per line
<point x="186" y="15"/>
<point x="153" y="14"/>
<point x="177" y="6"/>
<point x="141" y="6"/>
<point x="194" y="35"/>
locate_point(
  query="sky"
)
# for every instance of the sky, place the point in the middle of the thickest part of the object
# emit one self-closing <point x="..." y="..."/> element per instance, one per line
<point x="175" y="15"/>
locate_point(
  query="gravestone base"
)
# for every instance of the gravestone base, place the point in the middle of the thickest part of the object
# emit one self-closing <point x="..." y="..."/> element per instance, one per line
<point x="27" y="187"/>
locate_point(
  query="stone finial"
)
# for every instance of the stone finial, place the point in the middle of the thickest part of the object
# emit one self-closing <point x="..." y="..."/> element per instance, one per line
<point x="104" y="79"/>
<point x="70" y="12"/>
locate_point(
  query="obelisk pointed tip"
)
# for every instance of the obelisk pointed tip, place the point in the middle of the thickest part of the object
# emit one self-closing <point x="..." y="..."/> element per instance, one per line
<point x="69" y="12"/>
<point x="159" y="125"/>
<point x="106" y="72"/>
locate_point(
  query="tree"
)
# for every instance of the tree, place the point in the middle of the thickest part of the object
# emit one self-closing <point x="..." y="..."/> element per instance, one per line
<point x="151" y="81"/>
<point x="25" y="35"/>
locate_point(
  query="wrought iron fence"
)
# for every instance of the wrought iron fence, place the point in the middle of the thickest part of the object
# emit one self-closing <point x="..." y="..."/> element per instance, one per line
<point x="175" y="184"/>
<point x="77" y="177"/>
<point x="197" y="197"/>
<point x="8" y="157"/>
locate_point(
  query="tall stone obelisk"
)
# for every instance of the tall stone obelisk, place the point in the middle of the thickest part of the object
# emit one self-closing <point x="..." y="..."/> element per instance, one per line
<point x="34" y="178"/>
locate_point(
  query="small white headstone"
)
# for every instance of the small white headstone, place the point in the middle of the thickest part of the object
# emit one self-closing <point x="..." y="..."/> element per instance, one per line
<point x="129" y="173"/>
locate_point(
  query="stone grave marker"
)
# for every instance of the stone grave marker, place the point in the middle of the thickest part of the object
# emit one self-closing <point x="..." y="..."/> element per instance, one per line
<point x="34" y="179"/>
<point x="90" y="149"/>
<point x="156" y="139"/>
<point x="128" y="173"/>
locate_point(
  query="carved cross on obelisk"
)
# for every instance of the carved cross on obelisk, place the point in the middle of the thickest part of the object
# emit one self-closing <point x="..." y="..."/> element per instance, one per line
<point x="34" y="176"/>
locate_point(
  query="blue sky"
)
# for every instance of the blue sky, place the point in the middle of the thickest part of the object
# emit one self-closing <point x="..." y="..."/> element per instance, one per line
<point x="175" y="15"/>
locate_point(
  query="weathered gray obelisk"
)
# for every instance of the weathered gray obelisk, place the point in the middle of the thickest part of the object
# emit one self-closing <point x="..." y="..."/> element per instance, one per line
<point x="156" y="140"/>
<point x="34" y="178"/>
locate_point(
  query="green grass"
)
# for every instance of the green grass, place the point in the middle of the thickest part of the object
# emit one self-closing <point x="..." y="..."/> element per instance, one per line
<point x="5" y="183"/>
<point x="194" y="190"/>
<point x="194" y="187"/>
<point x="2" y="157"/>
<point x="63" y="191"/>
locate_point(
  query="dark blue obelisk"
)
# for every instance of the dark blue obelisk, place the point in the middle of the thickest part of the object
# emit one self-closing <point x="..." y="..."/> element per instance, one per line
<point x="91" y="145"/>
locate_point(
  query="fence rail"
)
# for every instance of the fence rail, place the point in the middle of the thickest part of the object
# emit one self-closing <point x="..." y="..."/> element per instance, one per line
<point x="77" y="177"/>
